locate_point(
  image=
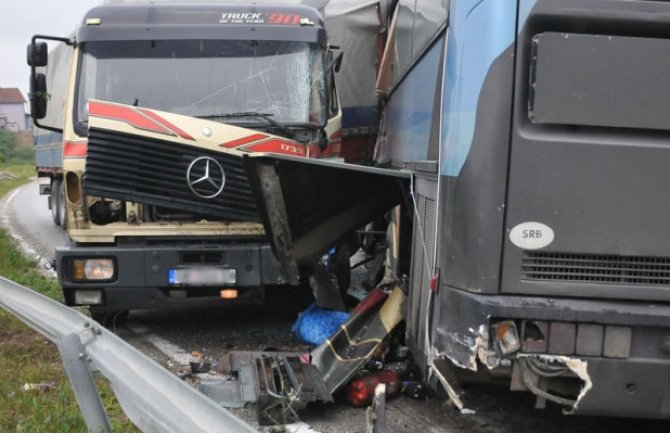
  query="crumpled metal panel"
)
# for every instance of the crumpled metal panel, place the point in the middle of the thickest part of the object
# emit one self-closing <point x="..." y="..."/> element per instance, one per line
<point x="344" y="353"/>
<point x="307" y="205"/>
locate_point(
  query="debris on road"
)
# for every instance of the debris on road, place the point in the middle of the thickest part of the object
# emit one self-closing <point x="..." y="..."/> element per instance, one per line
<point x="359" y="345"/>
<point x="229" y="393"/>
<point x="200" y="366"/>
<point x="316" y="324"/>
<point x="343" y="355"/>
<point x="286" y="386"/>
<point x="360" y="392"/>
<point x="38" y="387"/>
<point x="414" y="390"/>
<point x="376" y="414"/>
<point x="396" y="370"/>
<point x="280" y="383"/>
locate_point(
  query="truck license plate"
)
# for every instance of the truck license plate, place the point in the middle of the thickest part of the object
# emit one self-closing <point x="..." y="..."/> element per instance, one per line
<point x="201" y="276"/>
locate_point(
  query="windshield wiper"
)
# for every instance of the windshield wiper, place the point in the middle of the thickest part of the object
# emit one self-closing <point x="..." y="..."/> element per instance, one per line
<point x="265" y="116"/>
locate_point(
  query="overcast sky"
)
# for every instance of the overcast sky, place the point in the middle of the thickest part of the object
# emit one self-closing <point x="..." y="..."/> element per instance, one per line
<point x="20" y="20"/>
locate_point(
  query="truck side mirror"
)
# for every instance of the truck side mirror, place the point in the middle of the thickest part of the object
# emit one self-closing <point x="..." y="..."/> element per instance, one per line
<point x="37" y="54"/>
<point x="38" y="96"/>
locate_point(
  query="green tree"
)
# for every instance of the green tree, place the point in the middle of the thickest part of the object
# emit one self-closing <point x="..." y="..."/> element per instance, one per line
<point x="8" y="143"/>
<point x="11" y="151"/>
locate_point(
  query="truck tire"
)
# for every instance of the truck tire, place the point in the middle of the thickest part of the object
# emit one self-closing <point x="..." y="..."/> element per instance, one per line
<point x="62" y="211"/>
<point x="54" y="200"/>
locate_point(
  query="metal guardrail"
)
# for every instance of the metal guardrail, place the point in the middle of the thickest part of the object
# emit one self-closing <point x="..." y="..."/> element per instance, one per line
<point x="154" y="399"/>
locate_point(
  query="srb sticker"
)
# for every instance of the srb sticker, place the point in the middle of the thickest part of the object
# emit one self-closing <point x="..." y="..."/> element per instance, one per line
<point x="531" y="235"/>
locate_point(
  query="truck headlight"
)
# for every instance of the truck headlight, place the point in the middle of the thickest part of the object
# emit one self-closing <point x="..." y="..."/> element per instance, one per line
<point x="93" y="269"/>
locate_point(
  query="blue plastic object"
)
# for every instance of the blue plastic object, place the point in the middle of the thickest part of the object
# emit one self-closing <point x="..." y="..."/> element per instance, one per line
<point x="316" y="324"/>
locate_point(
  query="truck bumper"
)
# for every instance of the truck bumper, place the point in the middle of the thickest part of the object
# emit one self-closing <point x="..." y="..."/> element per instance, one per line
<point x="141" y="274"/>
<point x="624" y="346"/>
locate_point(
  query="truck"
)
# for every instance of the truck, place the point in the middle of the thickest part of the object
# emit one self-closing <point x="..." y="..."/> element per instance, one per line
<point x="48" y="143"/>
<point x="144" y="114"/>
<point x="525" y="150"/>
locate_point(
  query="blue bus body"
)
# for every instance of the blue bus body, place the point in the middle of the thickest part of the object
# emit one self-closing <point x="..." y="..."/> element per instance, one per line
<point x="537" y="132"/>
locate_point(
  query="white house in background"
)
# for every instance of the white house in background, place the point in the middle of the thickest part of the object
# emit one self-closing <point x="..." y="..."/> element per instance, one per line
<point x="12" y="109"/>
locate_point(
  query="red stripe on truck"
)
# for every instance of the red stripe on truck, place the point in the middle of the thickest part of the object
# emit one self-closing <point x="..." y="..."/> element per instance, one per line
<point x="127" y="115"/>
<point x="243" y="140"/>
<point x="167" y="124"/>
<point x="72" y="149"/>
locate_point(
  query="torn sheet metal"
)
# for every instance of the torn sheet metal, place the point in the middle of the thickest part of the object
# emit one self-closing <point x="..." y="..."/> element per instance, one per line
<point x="577" y="366"/>
<point x="463" y="349"/>
<point x="325" y="289"/>
<point x="376" y="414"/>
<point x="233" y="392"/>
<point x="280" y="383"/>
<point x="286" y="385"/>
<point x="461" y="333"/>
<point x="445" y="374"/>
<point x="320" y="202"/>
<point x="270" y="200"/>
<point x="354" y="344"/>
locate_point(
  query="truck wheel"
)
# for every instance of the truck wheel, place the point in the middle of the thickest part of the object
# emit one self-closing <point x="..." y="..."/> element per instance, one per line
<point x="54" y="200"/>
<point x="62" y="211"/>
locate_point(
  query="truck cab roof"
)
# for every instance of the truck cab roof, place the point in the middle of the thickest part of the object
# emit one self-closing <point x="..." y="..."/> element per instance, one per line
<point x="294" y="22"/>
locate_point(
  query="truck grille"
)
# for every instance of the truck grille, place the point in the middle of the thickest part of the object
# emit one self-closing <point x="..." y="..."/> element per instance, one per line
<point x="143" y="170"/>
<point x="612" y="269"/>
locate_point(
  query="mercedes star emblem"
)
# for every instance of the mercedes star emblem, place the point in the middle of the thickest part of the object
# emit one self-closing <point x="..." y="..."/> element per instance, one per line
<point x="205" y="177"/>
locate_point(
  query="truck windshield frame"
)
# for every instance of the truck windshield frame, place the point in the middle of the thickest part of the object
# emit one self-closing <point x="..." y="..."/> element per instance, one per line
<point x="207" y="78"/>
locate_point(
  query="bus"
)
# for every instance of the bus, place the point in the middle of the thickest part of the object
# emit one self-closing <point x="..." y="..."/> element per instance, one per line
<point x="530" y="143"/>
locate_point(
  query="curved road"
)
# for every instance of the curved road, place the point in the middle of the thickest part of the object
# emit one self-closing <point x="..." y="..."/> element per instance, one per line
<point x="28" y="218"/>
<point x="170" y="337"/>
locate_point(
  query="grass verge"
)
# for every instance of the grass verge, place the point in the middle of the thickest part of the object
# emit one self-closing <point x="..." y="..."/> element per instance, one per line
<point x="14" y="176"/>
<point x="27" y="358"/>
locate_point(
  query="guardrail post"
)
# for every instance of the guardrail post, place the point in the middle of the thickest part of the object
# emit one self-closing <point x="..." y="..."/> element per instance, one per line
<point x="79" y="372"/>
<point x="154" y="399"/>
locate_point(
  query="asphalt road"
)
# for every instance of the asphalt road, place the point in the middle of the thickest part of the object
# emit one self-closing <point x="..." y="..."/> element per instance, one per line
<point x="170" y="337"/>
<point x="28" y="216"/>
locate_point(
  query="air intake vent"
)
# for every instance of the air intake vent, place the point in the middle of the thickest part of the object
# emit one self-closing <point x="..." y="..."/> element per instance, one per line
<point x="148" y="171"/>
<point x="611" y="269"/>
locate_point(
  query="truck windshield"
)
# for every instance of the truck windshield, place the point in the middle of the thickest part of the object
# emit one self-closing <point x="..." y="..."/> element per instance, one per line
<point x="204" y="78"/>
